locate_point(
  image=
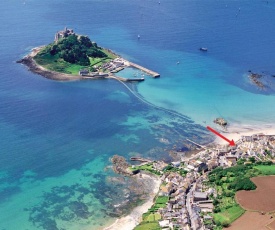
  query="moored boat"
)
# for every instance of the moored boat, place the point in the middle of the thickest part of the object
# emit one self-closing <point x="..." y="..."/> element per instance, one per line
<point x="203" y="49"/>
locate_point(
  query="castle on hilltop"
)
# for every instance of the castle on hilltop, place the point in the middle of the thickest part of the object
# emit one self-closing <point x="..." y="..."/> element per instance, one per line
<point x="63" y="33"/>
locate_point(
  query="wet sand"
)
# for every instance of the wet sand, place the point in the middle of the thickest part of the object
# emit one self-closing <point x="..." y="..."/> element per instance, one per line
<point x="235" y="132"/>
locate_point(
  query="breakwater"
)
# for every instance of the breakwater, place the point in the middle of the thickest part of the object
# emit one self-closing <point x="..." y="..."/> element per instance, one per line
<point x="140" y="159"/>
<point x="150" y="72"/>
<point x="125" y="79"/>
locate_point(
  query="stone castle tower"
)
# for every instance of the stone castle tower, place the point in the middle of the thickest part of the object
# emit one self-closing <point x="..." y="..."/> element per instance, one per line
<point x="63" y="33"/>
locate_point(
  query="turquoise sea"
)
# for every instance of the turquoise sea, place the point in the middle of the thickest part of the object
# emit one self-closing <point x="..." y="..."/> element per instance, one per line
<point x="56" y="138"/>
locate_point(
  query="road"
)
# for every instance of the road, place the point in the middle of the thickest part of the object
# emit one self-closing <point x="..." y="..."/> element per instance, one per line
<point x="188" y="206"/>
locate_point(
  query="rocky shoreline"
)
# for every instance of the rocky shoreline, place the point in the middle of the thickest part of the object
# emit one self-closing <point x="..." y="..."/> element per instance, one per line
<point x="120" y="165"/>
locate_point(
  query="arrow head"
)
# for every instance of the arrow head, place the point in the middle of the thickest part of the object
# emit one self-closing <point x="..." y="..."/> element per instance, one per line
<point x="232" y="143"/>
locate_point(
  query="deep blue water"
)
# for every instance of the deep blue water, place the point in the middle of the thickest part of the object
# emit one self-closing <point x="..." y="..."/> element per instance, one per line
<point x="56" y="137"/>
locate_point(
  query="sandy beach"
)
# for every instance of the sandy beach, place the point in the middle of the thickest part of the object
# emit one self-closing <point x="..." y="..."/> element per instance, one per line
<point x="130" y="221"/>
<point x="235" y="132"/>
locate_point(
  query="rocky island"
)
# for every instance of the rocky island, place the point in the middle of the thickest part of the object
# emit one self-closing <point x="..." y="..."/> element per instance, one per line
<point x="221" y="121"/>
<point x="73" y="57"/>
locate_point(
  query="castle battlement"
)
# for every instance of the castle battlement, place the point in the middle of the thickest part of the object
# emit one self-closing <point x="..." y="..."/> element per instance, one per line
<point x="63" y="33"/>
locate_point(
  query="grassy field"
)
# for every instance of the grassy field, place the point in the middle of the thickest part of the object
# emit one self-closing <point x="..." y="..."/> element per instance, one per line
<point x="266" y="169"/>
<point x="146" y="167"/>
<point x="95" y="61"/>
<point x="228" y="215"/>
<point x="109" y="54"/>
<point x="148" y="226"/>
<point x="99" y="61"/>
<point x="162" y="199"/>
<point x="54" y="63"/>
<point x="151" y="217"/>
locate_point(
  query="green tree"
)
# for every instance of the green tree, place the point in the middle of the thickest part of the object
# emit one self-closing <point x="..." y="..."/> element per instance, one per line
<point x="84" y="40"/>
<point x="225" y="223"/>
<point x="252" y="160"/>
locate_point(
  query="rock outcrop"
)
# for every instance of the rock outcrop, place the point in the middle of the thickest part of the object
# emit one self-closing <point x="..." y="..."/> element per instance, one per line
<point x="120" y="165"/>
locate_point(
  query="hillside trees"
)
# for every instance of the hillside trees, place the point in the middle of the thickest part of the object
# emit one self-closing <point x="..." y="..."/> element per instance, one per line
<point x="242" y="184"/>
<point x="76" y="50"/>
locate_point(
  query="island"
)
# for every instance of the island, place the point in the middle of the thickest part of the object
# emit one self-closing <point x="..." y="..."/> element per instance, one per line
<point x="73" y="57"/>
<point x="221" y="121"/>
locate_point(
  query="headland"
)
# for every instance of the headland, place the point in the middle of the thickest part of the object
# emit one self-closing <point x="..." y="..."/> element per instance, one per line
<point x="76" y="57"/>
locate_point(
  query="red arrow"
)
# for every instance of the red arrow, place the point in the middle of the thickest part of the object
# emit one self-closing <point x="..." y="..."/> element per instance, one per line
<point x="231" y="143"/>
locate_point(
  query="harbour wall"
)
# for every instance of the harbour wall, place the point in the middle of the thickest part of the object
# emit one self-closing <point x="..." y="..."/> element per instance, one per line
<point x="152" y="73"/>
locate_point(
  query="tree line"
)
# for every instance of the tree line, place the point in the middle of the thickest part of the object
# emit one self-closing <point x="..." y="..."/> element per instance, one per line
<point x="75" y="50"/>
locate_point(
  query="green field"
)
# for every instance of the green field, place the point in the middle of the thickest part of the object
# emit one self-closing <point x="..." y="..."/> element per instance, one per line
<point x="266" y="169"/>
<point x="100" y="61"/>
<point x="162" y="200"/>
<point x="146" y="167"/>
<point x="54" y="63"/>
<point x="228" y="215"/>
<point x="148" y="226"/>
<point x="109" y="54"/>
<point x="151" y="217"/>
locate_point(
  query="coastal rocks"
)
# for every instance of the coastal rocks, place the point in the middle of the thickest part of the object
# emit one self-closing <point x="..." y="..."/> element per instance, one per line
<point x="20" y="61"/>
<point x="220" y="121"/>
<point x="263" y="81"/>
<point x="255" y="78"/>
<point x="120" y="165"/>
<point x="164" y="141"/>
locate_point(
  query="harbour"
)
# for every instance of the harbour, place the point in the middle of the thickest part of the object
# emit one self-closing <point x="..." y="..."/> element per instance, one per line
<point x="150" y="72"/>
<point x="115" y="66"/>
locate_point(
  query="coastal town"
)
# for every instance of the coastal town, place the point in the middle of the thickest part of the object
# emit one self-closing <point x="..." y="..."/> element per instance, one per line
<point x="186" y="199"/>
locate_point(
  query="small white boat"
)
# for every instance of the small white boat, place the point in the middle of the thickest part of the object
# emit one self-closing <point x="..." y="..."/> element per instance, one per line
<point x="203" y="49"/>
